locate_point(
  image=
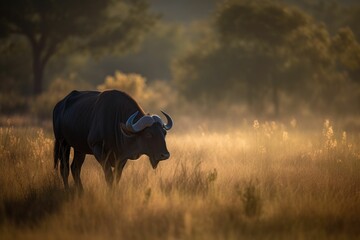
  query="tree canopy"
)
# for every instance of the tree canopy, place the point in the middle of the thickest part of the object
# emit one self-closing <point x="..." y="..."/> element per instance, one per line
<point x="269" y="55"/>
<point x="94" y="26"/>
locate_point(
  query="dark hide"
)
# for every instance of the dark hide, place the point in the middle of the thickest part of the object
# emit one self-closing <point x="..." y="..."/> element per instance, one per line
<point x="90" y="122"/>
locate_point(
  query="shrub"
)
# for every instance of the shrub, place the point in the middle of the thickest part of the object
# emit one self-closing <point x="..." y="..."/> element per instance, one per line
<point x="43" y="105"/>
<point x="250" y="198"/>
<point x="190" y="180"/>
<point x="153" y="96"/>
<point x="12" y="102"/>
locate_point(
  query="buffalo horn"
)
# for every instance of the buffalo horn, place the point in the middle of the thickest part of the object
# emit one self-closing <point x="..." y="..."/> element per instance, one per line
<point x="157" y="119"/>
<point x="169" y="123"/>
<point x="142" y="123"/>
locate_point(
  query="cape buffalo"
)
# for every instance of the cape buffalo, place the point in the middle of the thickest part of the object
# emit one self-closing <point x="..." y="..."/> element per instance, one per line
<point x="109" y="125"/>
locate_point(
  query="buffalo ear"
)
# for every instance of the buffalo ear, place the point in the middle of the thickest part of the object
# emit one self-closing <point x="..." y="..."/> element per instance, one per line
<point x="126" y="132"/>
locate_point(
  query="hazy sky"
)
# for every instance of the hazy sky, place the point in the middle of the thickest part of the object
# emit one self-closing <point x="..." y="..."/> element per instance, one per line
<point x="183" y="11"/>
<point x="188" y="10"/>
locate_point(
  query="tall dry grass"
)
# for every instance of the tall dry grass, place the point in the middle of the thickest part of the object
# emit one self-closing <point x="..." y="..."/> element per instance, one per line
<point x="264" y="180"/>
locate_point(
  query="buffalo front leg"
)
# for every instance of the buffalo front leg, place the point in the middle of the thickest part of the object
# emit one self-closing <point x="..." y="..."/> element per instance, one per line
<point x="103" y="159"/>
<point x="118" y="171"/>
<point x="108" y="173"/>
<point x="76" y="169"/>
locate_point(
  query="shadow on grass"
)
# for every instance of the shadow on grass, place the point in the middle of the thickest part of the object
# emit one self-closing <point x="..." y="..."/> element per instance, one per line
<point x="37" y="204"/>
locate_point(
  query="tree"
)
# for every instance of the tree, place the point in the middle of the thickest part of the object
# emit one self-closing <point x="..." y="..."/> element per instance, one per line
<point x="89" y="25"/>
<point x="347" y="50"/>
<point x="271" y="56"/>
<point x="262" y="29"/>
<point x="249" y="54"/>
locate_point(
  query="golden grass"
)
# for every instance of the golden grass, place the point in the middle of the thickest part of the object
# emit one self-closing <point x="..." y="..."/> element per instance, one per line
<point x="262" y="181"/>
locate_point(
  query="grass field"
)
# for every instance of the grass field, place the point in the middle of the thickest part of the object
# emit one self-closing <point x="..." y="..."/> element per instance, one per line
<point x="264" y="180"/>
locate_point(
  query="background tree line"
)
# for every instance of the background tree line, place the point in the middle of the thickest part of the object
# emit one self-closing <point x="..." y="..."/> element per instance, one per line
<point x="49" y="28"/>
<point x="274" y="57"/>
<point x="269" y="58"/>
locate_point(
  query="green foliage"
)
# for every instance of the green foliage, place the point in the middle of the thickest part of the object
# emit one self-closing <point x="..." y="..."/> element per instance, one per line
<point x="273" y="57"/>
<point x="114" y="24"/>
<point x="261" y="21"/>
<point x="95" y="26"/>
<point x="15" y="65"/>
<point x="14" y="77"/>
<point x="347" y="48"/>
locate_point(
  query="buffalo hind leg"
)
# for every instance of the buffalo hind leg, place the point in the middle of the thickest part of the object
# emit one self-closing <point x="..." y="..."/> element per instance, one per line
<point x="64" y="164"/>
<point x="76" y="169"/>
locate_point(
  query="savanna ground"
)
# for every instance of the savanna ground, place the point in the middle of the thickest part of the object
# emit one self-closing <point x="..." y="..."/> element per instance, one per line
<point x="262" y="180"/>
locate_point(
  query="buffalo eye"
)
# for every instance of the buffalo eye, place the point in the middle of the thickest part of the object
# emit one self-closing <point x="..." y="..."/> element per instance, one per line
<point x="148" y="135"/>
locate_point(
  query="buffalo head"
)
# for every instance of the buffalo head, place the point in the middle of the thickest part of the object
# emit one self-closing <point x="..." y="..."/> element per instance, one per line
<point x="147" y="136"/>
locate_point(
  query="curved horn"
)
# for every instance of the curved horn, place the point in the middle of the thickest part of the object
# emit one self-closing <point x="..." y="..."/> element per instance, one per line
<point x="169" y="124"/>
<point x="158" y="119"/>
<point x="142" y="123"/>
